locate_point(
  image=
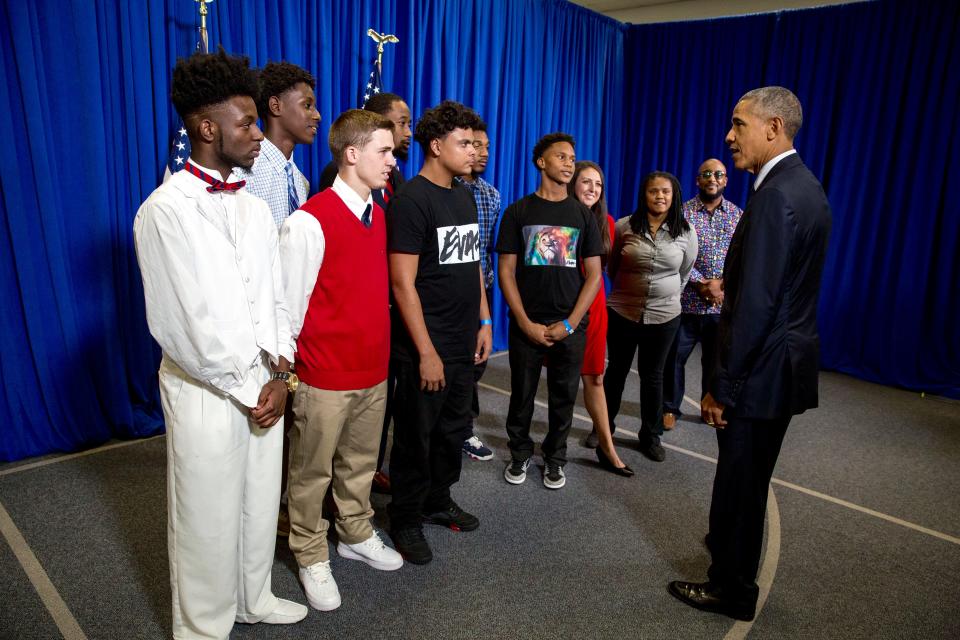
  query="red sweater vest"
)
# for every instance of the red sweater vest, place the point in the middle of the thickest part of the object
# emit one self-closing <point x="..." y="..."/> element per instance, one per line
<point x="345" y="340"/>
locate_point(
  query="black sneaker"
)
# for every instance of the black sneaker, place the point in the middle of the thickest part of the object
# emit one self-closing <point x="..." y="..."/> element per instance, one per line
<point x="592" y="441"/>
<point x="652" y="449"/>
<point x="553" y="476"/>
<point x="516" y="471"/>
<point x="411" y="544"/>
<point x="453" y="517"/>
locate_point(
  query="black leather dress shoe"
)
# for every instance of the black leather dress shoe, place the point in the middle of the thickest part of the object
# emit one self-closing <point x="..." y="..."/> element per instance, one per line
<point x="652" y="449"/>
<point x="706" y="597"/>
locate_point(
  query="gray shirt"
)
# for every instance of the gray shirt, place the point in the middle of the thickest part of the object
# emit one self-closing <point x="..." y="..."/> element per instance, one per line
<point x="649" y="273"/>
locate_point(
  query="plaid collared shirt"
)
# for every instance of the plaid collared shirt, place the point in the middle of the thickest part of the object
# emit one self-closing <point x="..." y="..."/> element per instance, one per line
<point x="267" y="180"/>
<point x="714" y="231"/>
<point x="488" y="210"/>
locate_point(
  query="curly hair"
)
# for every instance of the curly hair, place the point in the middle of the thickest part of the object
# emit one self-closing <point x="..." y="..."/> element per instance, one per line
<point x="438" y="122"/>
<point x="676" y="223"/>
<point x="550" y="139"/>
<point x="206" y="79"/>
<point x="381" y="102"/>
<point x="276" y="78"/>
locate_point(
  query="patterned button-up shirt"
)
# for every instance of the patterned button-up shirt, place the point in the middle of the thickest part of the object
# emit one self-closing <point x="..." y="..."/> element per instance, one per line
<point x="488" y="210"/>
<point x="267" y="180"/>
<point x="714" y="231"/>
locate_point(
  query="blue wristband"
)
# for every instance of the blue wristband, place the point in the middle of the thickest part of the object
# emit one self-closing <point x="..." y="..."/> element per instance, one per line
<point x="566" y="325"/>
<point x="485" y="321"/>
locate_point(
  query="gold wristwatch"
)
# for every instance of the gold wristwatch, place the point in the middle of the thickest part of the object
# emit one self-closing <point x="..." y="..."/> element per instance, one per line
<point x="289" y="378"/>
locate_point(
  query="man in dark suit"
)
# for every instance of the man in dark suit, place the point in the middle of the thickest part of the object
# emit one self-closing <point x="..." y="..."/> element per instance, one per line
<point x="768" y="349"/>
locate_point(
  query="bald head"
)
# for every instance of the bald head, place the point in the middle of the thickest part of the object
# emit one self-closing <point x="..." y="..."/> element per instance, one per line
<point x="711" y="181"/>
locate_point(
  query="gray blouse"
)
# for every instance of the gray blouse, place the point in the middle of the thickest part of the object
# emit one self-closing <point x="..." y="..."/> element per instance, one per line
<point x="648" y="273"/>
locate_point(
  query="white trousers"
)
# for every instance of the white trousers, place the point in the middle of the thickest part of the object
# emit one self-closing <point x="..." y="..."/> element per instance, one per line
<point x="223" y="494"/>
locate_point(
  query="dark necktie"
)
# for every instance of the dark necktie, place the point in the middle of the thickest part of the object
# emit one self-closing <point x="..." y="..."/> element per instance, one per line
<point x="367" y="217"/>
<point x="216" y="186"/>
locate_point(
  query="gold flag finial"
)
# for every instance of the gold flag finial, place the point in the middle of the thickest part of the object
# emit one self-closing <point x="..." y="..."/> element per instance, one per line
<point x="381" y="39"/>
<point x="203" y="23"/>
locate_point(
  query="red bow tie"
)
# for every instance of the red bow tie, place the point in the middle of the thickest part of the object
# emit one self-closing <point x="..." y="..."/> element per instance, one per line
<point x="215" y="185"/>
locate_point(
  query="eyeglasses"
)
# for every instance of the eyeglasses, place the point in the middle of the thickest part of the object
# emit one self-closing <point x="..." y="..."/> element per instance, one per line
<point x="719" y="175"/>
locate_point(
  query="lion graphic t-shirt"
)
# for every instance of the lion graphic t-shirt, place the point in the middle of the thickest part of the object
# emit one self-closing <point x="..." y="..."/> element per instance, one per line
<point x="440" y="226"/>
<point x="550" y="239"/>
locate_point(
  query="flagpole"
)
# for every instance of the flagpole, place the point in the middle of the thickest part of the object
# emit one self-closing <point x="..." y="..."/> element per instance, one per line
<point x="204" y="47"/>
<point x="381" y="39"/>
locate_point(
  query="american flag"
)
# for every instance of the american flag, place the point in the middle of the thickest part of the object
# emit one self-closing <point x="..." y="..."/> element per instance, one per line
<point x="374" y="84"/>
<point x="179" y="151"/>
<point x="180" y="147"/>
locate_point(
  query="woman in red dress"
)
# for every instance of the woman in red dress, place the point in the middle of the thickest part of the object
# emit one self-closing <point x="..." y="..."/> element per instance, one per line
<point x="587" y="187"/>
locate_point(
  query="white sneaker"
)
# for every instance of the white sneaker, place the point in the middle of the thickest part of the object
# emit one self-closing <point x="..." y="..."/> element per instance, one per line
<point x="286" y="613"/>
<point x="373" y="552"/>
<point x="321" y="588"/>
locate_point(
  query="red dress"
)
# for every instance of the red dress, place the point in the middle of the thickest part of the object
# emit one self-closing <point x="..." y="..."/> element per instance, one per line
<point x="596" y="350"/>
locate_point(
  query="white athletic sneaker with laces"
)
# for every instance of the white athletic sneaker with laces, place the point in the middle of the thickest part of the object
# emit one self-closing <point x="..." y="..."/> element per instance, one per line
<point x="321" y="588"/>
<point x="286" y="612"/>
<point x="372" y="551"/>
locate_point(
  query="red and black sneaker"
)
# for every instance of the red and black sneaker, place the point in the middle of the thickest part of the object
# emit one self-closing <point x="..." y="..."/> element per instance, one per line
<point x="453" y="517"/>
<point x="412" y="545"/>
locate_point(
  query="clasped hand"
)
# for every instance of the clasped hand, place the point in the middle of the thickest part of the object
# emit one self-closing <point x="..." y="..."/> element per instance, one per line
<point x="270" y="404"/>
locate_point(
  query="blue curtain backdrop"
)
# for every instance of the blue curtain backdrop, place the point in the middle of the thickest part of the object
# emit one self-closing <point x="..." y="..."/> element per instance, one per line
<point x="84" y="100"/>
<point x="880" y="88"/>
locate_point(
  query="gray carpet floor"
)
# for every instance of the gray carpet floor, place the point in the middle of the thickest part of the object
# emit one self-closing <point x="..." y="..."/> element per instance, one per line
<point x="589" y="561"/>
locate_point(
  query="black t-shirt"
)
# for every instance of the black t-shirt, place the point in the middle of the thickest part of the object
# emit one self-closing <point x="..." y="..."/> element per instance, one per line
<point x="440" y="225"/>
<point x="551" y="240"/>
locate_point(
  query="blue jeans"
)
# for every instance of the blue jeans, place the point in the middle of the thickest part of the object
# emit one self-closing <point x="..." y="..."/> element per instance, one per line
<point x="694" y="328"/>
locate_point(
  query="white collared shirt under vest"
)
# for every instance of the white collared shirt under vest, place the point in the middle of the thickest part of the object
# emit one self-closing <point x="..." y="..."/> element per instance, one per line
<point x="214" y="301"/>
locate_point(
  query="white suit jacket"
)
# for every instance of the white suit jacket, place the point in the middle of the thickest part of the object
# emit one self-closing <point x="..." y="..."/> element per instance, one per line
<point x="212" y="282"/>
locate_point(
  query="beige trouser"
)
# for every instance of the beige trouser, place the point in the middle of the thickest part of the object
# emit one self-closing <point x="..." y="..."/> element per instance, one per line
<point x="335" y="438"/>
<point x="223" y="492"/>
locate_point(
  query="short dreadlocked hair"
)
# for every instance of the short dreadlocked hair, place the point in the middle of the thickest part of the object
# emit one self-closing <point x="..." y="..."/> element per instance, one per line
<point x="547" y="141"/>
<point x="381" y="102"/>
<point x="276" y="78"/>
<point x="438" y="122"/>
<point x="206" y="79"/>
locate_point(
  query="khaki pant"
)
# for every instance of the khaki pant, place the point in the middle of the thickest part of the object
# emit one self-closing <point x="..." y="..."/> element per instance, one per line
<point x="334" y="439"/>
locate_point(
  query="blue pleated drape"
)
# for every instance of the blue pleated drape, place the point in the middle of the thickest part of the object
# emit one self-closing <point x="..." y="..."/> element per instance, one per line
<point x="880" y="88"/>
<point x="84" y="101"/>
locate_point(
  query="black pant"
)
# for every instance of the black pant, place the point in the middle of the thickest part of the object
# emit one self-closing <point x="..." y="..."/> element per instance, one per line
<point x="748" y="450"/>
<point x="651" y="342"/>
<point x="694" y="328"/>
<point x="563" y="360"/>
<point x="387" y="415"/>
<point x="478" y="370"/>
<point x="429" y="428"/>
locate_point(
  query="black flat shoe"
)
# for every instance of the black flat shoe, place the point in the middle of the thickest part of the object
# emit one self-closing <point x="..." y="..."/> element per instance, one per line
<point x="707" y="597"/>
<point x="606" y="465"/>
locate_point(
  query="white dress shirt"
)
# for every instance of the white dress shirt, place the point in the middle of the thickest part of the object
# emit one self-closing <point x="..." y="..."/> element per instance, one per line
<point x="211" y="277"/>
<point x="768" y="165"/>
<point x="302" y="245"/>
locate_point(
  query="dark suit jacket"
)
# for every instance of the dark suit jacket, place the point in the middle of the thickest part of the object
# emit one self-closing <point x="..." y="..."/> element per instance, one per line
<point x="329" y="174"/>
<point x="768" y="350"/>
